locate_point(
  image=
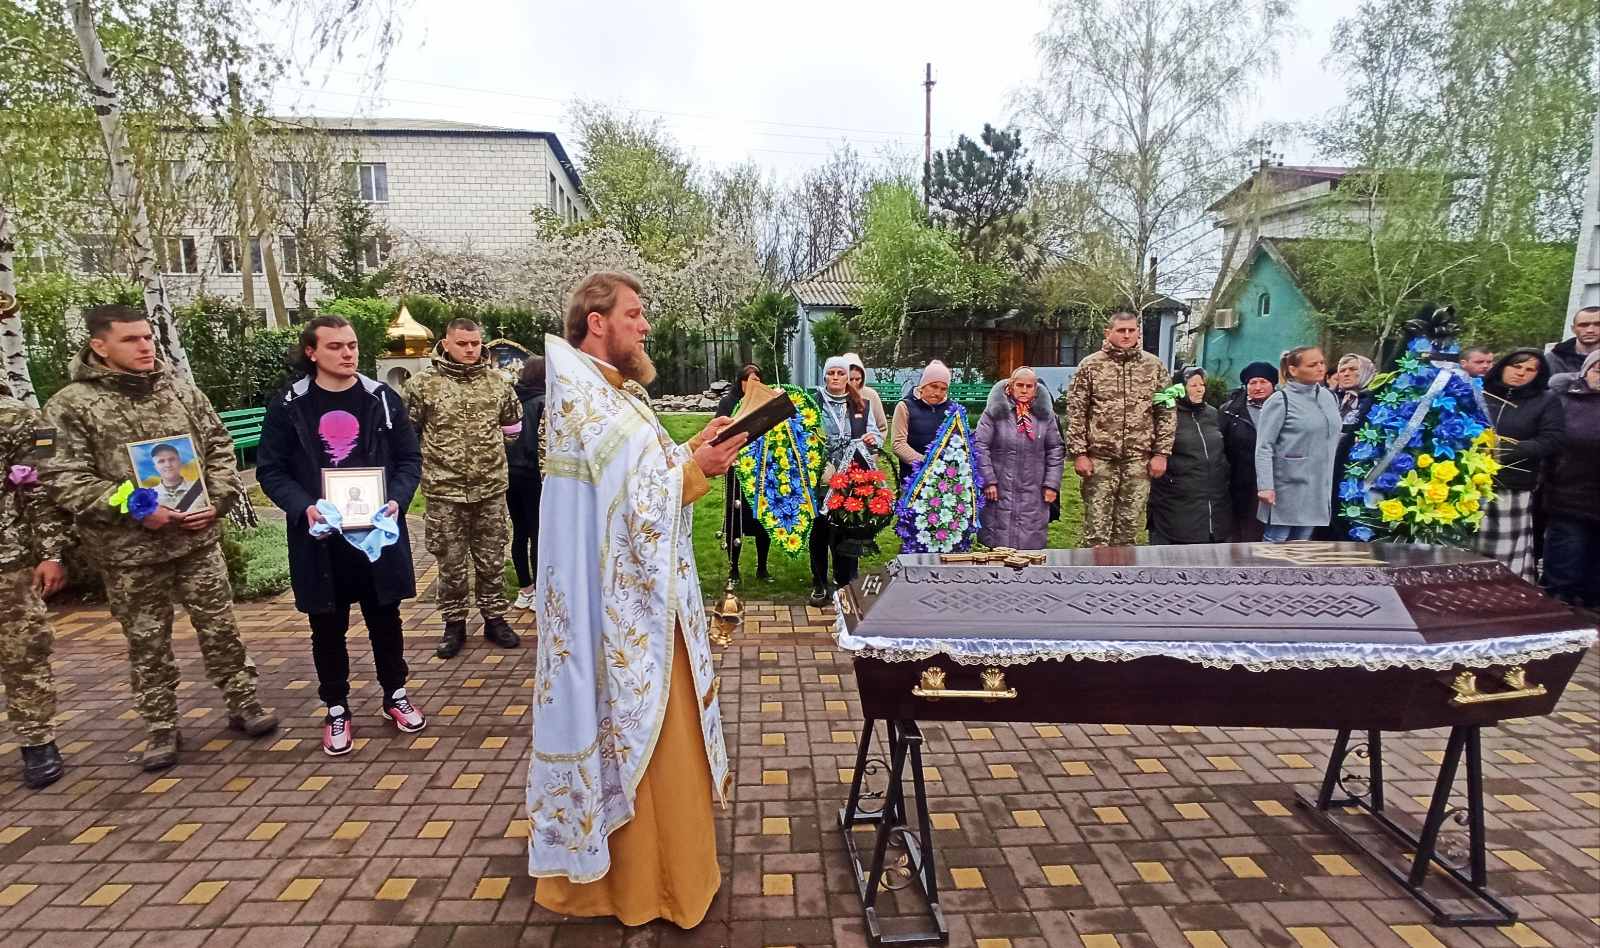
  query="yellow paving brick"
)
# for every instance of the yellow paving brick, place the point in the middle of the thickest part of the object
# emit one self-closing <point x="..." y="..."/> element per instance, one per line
<point x="1297" y="761"/>
<point x="777" y="883"/>
<point x="514" y="711"/>
<point x="492" y="888"/>
<point x="1516" y="802"/>
<point x="931" y="774"/>
<point x="492" y="743"/>
<point x="1585" y="754"/>
<point x="1061" y="875"/>
<point x="993" y="943"/>
<point x="1193" y="811"/>
<point x="1100" y="941"/>
<point x="467" y="782"/>
<point x="395" y="890"/>
<point x="1578" y="717"/>
<point x="11" y="834"/>
<point x="1116" y="730"/>
<point x="451" y="710"/>
<point x="218" y="744"/>
<point x="1205" y="939"/>
<point x="980" y="733"/>
<point x="14" y="893"/>
<point x="93" y="834"/>
<point x="107" y="894"/>
<point x="846" y="775"/>
<point x="1149" y="765"/>
<point x="1588" y="798"/>
<point x="1524" y="937"/>
<point x="968" y="878"/>
<point x="774" y="740"/>
<point x="774" y="778"/>
<point x="287" y="744"/>
<point x="265" y="831"/>
<point x="517" y="829"/>
<point x="351" y="829"/>
<point x="424" y="743"/>
<point x="770" y="679"/>
<point x="202" y="893"/>
<point x="944" y="821"/>
<point x="828" y="679"/>
<point x="1224" y="762"/>
<point x="194" y="714"/>
<point x="1271" y="808"/>
<point x="769" y="656"/>
<point x="1077" y="768"/>
<point x="238" y="784"/>
<point x="772" y="707"/>
<point x="1310" y="936"/>
<point x="837" y="707"/>
<point x="1110" y="814"/>
<point x="473" y="683"/>
<point x="390" y="782"/>
<point x="1002" y="771"/>
<point x="1417" y="936"/>
<point x="1515" y="757"/>
<point x="1047" y="730"/>
<point x="1335" y="865"/>
<point x="775" y="826"/>
<point x="1243" y="867"/>
<point x="843" y="737"/>
<point x="180" y="833"/>
<point x="299" y="890"/>
<point x="1027" y="818"/>
<point x="1517" y="859"/>
<point x="1153" y="872"/>
<point x="313" y="784"/>
<point x="435" y="829"/>
<point x="1593" y="852"/>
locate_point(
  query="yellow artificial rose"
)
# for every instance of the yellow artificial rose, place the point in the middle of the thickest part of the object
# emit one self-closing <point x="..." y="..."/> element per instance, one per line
<point x="1436" y="493"/>
<point x="1481" y="480"/>
<point x="1424" y="461"/>
<point x="1446" y="513"/>
<point x="1445" y="471"/>
<point x="1392" y="510"/>
<point x="1467" y="505"/>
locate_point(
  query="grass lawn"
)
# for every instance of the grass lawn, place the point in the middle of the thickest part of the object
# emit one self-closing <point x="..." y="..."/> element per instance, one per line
<point x="792" y="574"/>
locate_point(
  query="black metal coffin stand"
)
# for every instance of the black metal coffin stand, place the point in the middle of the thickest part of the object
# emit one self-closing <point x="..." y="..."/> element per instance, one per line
<point x="1474" y="881"/>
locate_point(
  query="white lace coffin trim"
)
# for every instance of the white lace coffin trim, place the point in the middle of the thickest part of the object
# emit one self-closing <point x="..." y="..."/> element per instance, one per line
<point x="1252" y="656"/>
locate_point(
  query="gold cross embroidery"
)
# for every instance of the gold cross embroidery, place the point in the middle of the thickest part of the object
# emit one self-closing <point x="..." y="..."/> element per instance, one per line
<point x="1002" y="555"/>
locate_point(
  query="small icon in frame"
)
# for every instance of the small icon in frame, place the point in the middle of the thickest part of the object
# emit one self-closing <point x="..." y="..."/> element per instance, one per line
<point x="358" y="493"/>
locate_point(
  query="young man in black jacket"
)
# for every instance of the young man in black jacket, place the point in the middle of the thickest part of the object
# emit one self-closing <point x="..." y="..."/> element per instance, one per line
<point x="335" y="417"/>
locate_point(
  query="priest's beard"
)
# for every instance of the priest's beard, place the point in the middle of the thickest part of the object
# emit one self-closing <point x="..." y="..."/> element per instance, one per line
<point x="633" y="364"/>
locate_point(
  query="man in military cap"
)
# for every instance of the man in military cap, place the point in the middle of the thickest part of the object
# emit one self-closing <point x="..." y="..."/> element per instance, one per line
<point x="32" y="536"/>
<point x="464" y="411"/>
<point x="121" y="393"/>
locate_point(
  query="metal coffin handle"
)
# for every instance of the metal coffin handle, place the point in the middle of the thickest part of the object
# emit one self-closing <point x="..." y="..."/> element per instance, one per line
<point x="994" y="686"/>
<point x="1466" y="690"/>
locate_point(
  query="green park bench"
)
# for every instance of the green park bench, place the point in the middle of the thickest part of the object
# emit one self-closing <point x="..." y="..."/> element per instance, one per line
<point x="244" y="425"/>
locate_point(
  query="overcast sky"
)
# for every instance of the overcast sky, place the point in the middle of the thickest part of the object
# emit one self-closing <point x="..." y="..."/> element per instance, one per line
<point x="780" y="84"/>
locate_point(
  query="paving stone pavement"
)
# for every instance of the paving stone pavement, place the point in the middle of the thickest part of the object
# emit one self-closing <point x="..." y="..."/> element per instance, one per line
<point x="1092" y="836"/>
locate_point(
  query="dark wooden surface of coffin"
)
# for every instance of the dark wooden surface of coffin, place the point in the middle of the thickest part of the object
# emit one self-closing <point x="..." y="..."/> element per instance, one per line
<point x="1170" y="691"/>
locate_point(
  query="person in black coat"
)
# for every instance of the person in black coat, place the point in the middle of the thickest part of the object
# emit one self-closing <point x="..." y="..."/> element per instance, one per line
<point x="1191" y="502"/>
<point x="525" y="485"/>
<point x="738" y="518"/>
<point x="1349" y="382"/>
<point x="334" y="417"/>
<point x="1236" y="419"/>
<point x="1529" y="428"/>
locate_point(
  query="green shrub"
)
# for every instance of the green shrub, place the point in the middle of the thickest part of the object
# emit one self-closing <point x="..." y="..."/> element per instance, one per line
<point x="258" y="560"/>
<point x="370" y="318"/>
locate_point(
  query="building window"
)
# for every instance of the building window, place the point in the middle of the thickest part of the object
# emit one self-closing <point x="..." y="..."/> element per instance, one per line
<point x="376" y="253"/>
<point x="177" y="255"/>
<point x="551" y="193"/>
<point x="1264" y="304"/>
<point x="291" y="179"/>
<point x="290" y="257"/>
<point x="39" y="260"/>
<point x="228" y="256"/>
<point x="97" y="253"/>
<point x="369" y="180"/>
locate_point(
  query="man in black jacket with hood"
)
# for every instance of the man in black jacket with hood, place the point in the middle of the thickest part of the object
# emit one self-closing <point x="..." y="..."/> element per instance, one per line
<point x="1567" y="355"/>
<point x="1237" y="421"/>
<point x="335" y="417"/>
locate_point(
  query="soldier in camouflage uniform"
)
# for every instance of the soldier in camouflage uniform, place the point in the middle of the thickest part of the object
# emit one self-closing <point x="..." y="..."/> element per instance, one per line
<point x="121" y="393"/>
<point x="465" y="412"/>
<point x="1118" y="435"/>
<point x="32" y="537"/>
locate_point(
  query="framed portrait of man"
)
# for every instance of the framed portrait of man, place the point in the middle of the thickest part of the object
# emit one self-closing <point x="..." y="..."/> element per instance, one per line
<point x="358" y="492"/>
<point x="173" y="469"/>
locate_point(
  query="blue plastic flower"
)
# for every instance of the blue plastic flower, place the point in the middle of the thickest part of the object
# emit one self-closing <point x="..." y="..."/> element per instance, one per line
<point x="1361" y="532"/>
<point x="1350" y="490"/>
<point x="142" y="503"/>
<point x="1387" y="481"/>
<point x="1363" y="451"/>
<point x="1402" y="463"/>
<point x="1416" y="439"/>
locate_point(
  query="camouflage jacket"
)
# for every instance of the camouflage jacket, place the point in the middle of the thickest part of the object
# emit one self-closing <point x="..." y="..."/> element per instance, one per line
<point x="1111" y="413"/>
<point x="462" y="413"/>
<point x="31" y="528"/>
<point x="96" y="417"/>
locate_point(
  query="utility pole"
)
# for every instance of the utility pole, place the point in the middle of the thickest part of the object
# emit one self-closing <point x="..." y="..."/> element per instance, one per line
<point x="927" y="137"/>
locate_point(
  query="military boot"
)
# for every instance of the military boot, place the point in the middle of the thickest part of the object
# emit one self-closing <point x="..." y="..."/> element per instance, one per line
<point x="455" y="636"/>
<point x="497" y="630"/>
<point x="41" y="765"/>
<point x="253" y="720"/>
<point x="161" y="750"/>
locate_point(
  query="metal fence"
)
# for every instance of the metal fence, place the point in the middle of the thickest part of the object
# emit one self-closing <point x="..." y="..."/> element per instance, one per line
<point x="688" y="361"/>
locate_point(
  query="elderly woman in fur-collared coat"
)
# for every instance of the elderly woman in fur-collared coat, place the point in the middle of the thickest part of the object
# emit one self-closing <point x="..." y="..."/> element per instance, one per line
<point x="1020" y="454"/>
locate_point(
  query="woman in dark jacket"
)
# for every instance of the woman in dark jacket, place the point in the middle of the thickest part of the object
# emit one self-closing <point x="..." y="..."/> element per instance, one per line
<point x="1528" y="428"/>
<point x="1571" y="492"/>
<point x="850" y="438"/>
<point x="526" y="483"/>
<point x="1349" y="382"/>
<point x="332" y="418"/>
<point x="1190" y="503"/>
<point x="738" y="519"/>
<point x="1237" y="421"/>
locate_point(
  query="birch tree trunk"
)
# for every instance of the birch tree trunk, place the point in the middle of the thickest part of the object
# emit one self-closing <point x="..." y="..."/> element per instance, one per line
<point x="13" y="344"/>
<point x="125" y="188"/>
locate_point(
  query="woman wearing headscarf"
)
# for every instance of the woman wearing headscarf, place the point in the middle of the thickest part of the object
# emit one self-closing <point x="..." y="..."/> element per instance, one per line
<point x="1020" y="458"/>
<point x="1528" y="427"/>
<point x="858" y="381"/>
<point x="1349" y="384"/>
<point x="849" y="438"/>
<point x="1237" y="419"/>
<point x="1190" y="503"/>
<point x="918" y="416"/>
<point x="738" y="519"/>
<point x="1571" y="491"/>
<point x="1296" y="439"/>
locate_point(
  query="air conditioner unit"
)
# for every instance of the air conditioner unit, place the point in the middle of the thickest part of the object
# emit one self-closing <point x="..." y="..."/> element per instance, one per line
<point x="1223" y="319"/>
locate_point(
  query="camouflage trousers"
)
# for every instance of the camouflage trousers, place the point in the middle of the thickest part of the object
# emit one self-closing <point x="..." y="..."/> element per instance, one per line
<point x="475" y="533"/>
<point x="1114" y="501"/>
<point x="142" y="599"/>
<point x="25" y="640"/>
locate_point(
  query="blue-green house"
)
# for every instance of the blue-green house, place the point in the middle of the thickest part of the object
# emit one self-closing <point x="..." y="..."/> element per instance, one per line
<point x="1262" y="313"/>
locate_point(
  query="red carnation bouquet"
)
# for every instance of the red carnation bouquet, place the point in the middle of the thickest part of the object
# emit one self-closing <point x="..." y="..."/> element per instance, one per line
<point x="860" y="504"/>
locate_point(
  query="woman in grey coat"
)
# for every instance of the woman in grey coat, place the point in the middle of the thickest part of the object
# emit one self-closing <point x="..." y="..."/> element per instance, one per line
<point x="1296" y="441"/>
<point x="1020" y="454"/>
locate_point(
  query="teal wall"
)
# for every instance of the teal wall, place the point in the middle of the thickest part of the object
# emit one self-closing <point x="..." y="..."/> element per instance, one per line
<point x="1256" y="338"/>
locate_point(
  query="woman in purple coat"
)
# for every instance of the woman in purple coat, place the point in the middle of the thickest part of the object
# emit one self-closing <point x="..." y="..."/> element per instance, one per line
<point x="1020" y="454"/>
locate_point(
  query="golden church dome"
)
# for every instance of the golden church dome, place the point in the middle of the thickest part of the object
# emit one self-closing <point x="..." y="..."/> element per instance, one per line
<point x="408" y="338"/>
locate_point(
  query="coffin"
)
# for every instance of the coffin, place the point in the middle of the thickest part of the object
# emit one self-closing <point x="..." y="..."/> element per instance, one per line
<point x="1305" y="635"/>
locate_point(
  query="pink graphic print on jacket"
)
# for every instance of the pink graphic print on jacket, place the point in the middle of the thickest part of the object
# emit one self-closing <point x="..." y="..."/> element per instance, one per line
<point x="339" y="431"/>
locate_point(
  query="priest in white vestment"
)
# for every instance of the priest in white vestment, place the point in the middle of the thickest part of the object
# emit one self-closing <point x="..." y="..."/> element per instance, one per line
<point x="628" y="752"/>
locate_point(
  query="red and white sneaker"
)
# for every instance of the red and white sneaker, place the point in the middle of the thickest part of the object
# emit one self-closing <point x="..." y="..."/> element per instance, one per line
<point x="337" y="739"/>
<point x="403" y="713"/>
